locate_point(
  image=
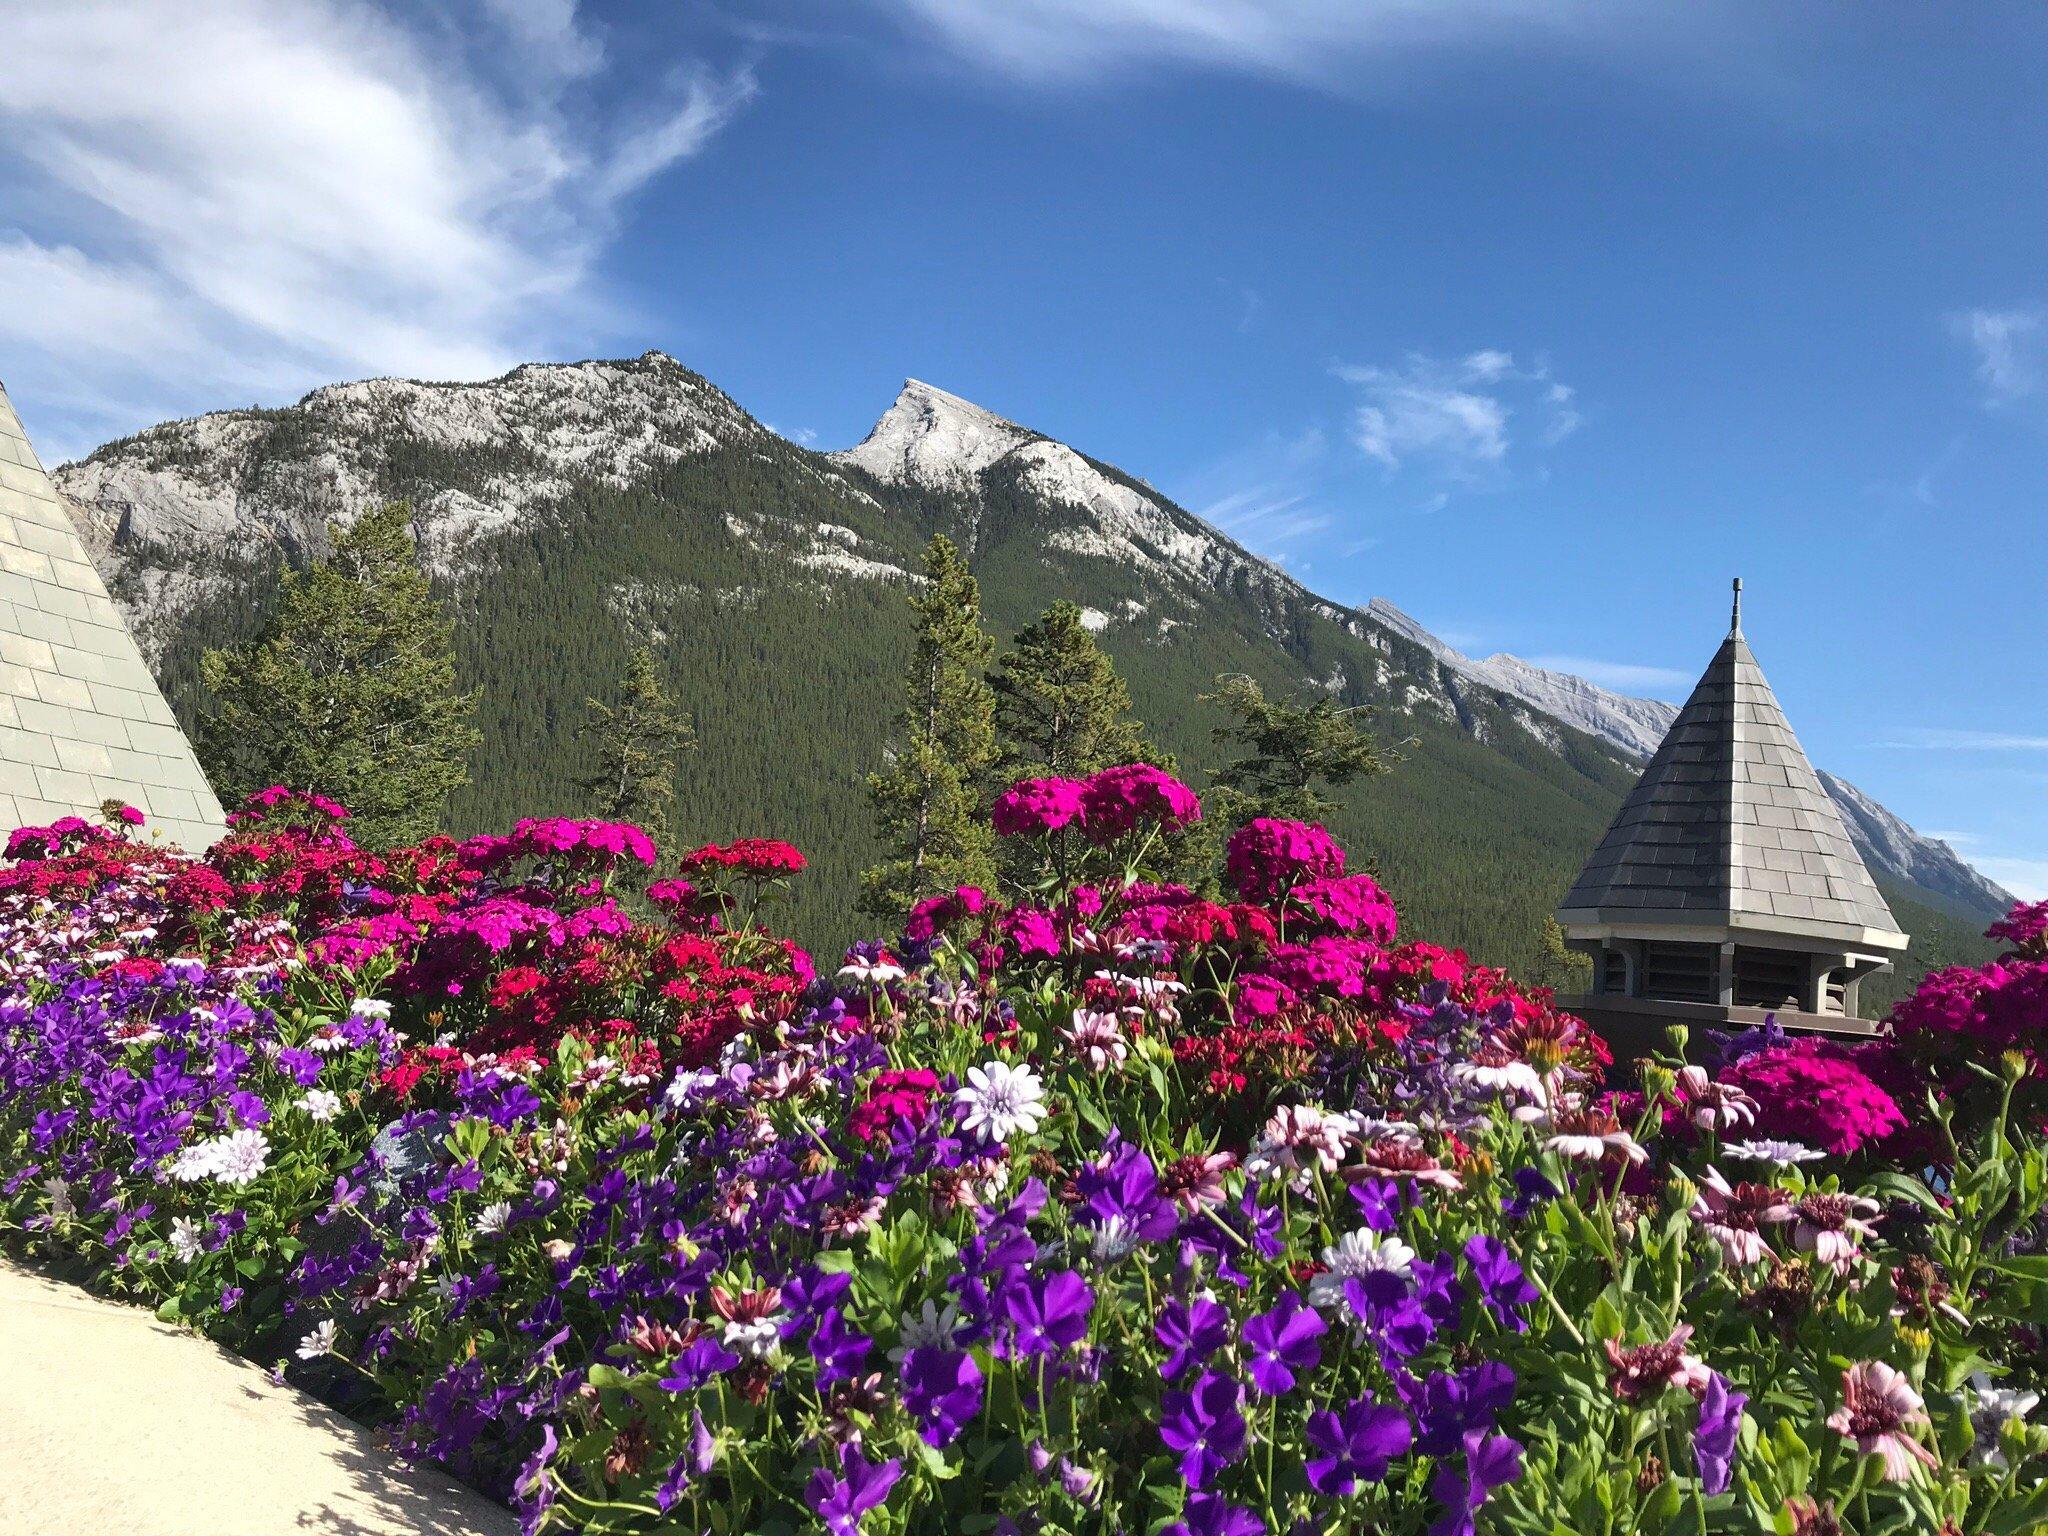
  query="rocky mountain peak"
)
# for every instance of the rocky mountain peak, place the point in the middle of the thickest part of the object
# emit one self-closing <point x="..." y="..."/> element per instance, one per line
<point x="934" y="439"/>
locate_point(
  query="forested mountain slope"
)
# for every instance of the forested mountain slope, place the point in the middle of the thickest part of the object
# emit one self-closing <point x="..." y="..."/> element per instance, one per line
<point x="567" y="510"/>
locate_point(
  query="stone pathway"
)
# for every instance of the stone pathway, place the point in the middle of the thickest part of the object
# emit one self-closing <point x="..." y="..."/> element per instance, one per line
<point x="113" y="1424"/>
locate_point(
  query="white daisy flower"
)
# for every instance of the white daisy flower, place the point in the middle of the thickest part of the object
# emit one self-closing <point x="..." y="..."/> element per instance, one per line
<point x="1780" y="1154"/>
<point x="999" y="1099"/>
<point x="1354" y="1256"/>
<point x="320" y="1104"/>
<point x="185" y="1239"/>
<point x="493" y="1218"/>
<point x="320" y="1342"/>
<point x="242" y="1156"/>
<point x="933" y="1326"/>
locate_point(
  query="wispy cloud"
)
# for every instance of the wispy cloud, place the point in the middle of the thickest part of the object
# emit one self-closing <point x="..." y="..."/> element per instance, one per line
<point x="1335" y="44"/>
<point x="1622" y="676"/>
<point x="1269" y="496"/>
<point x="2011" y="348"/>
<point x="1455" y="414"/>
<point x="239" y="197"/>
<point x="1935" y="739"/>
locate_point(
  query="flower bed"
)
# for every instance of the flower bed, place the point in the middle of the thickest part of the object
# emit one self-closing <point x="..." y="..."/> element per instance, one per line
<point x="1105" y="1206"/>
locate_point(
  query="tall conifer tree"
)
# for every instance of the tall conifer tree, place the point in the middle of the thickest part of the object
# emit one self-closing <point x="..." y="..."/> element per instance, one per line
<point x="1061" y="709"/>
<point x="637" y="738"/>
<point x="349" y="689"/>
<point x="1285" y="751"/>
<point x="930" y="801"/>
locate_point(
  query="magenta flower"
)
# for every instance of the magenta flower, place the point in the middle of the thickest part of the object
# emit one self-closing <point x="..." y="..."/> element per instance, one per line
<point x="1280" y="1346"/>
<point x="1356" y="1444"/>
<point x="1264" y="857"/>
<point x="1034" y="807"/>
<point x="1205" y="1425"/>
<point x="1121" y="799"/>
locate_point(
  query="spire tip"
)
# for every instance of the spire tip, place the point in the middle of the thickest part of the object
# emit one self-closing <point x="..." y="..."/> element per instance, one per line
<point x="1735" y="615"/>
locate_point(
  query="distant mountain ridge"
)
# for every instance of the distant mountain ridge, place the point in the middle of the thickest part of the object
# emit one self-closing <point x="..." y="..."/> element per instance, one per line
<point x="565" y="507"/>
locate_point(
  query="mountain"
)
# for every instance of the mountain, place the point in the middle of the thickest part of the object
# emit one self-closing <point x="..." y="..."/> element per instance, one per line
<point x="568" y="510"/>
<point x="1634" y="727"/>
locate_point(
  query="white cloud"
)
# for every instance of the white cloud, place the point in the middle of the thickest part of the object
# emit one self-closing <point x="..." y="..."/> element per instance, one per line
<point x="1268" y="496"/>
<point x="1621" y="676"/>
<point x="239" y="194"/>
<point x="1337" y="44"/>
<point x="1940" y="740"/>
<point x="1454" y="413"/>
<point x="2011" y="347"/>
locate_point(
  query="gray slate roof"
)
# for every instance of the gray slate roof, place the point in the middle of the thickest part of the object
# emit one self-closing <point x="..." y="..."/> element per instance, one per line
<point x="1729" y="826"/>
<point x="81" y="718"/>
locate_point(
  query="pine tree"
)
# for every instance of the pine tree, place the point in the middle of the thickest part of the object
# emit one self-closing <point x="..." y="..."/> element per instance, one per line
<point x="1286" y="750"/>
<point x="1559" y="967"/>
<point x="1061" y="709"/>
<point x="349" y="689"/>
<point x="930" y="802"/>
<point x="637" y="738"/>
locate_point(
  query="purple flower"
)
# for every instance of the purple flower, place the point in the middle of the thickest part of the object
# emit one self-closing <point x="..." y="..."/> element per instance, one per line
<point x="1503" y="1288"/>
<point x="1123" y="1185"/>
<point x="838" y="1349"/>
<point x="533" y="1492"/>
<point x="1281" y="1346"/>
<point x="231" y="1298"/>
<point x="1720" y="1425"/>
<point x="704" y="1359"/>
<point x="1050" y="1314"/>
<point x="1357" y="1445"/>
<point x="941" y="1387"/>
<point x="859" y="1487"/>
<point x="1209" y="1514"/>
<point x="1491" y="1461"/>
<point x="1531" y="1190"/>
<point x="1449" y="1407"/>
<point x="1379" y="1201"/>
<point x="1192" y="1331"/>
<point x="1205" y="1426"/>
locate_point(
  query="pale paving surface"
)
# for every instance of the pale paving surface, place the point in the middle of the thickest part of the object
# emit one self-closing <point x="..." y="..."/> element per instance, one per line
<point x="81" y="717"/>
<point x="113" y="1424"/>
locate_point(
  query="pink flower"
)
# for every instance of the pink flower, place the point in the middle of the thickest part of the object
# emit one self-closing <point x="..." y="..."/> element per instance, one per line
<point x="1831" y="1227"/>
<point x="1119" y="800"/>
<point x="1733" y="1214"/>
<point x="1266" y="856"/>
<point x="1348" y="904"/>
<point x="1034" y="807"/>
<point x="1097" y="1039"/>
<point x="1878" y="1406"/>
<point x="1813" y="1091"/>
<point x="1261" y="997"/>
<point x="1032" y="930"/>
<point x="1647" y="1370"/>
<point x="2024" y="928"/>
<point x="1710" y="1105"/>
<point x="932" y="916"/>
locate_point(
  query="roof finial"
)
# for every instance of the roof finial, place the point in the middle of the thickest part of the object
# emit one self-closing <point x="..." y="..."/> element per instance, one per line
<point x="1735" y="617"/>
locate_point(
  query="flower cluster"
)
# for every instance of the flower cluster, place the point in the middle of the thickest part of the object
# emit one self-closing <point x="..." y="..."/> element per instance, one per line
<point x="1104" y="1205"/>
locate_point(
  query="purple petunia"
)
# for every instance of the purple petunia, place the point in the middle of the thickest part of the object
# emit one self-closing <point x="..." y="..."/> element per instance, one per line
<point x="1531" y="1190"/>
<point x="1280" y="1346"/>
<point x="1205" y="1425"/>
<point x="704" y="1359"/>
<point x="1490" y="1462"/>
<point x="1050" y="1314"/>
<point x="1356" y="1445"/>
<point x="1210" y="1514"/>
<point x="859" y="1486"/>
<point x="1720" y="1426"/>
<point x="942" y="1389"/>
<point x="1379" y="1201"/>
<point x="1503" y="1288"/>
<point x="1192" y="1331"/>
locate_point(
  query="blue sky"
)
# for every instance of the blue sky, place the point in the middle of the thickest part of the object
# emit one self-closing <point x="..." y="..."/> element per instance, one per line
<point x="1539" y="320"/>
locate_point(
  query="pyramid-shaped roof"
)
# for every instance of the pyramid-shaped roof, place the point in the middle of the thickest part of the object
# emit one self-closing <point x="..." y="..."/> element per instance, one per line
<point x="82" y="720"/>
<point x="1729" y="828"/>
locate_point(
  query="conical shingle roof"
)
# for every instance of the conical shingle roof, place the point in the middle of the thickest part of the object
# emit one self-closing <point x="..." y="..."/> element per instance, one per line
<point x="82" y="720"/>
<point x="1729" y="827"/>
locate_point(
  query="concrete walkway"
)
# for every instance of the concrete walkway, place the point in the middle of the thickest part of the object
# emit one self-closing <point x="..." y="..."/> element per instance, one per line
<point x="113" y="1424"/>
